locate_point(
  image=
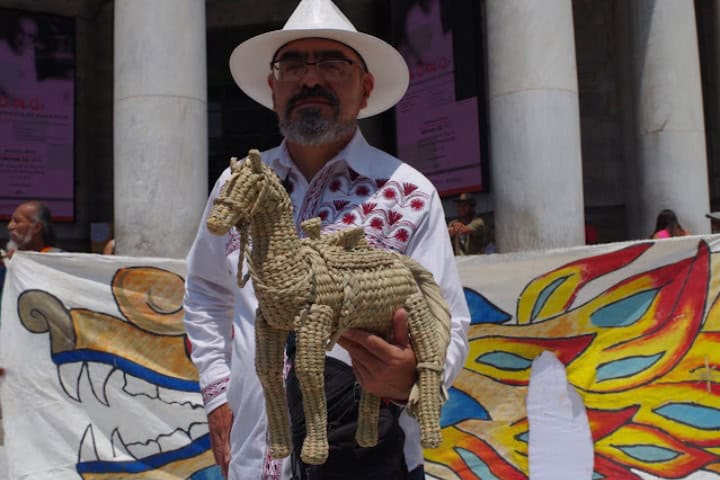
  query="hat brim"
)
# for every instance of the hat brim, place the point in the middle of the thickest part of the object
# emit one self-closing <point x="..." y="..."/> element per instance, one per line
<point x="250" y="65"/>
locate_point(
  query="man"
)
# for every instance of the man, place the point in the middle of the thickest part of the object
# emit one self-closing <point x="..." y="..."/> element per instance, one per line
<point x="323" y="76"/>
<point x="468" y="230"/>
<point x="29" y="229"/>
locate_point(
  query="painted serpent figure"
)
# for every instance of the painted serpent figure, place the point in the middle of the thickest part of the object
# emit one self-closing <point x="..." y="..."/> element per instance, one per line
<point x="319" y="286"/>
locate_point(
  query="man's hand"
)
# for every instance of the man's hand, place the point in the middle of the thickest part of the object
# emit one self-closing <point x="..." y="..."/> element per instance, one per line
<point x="385" y="369"/>
<point x="219" y="423"/>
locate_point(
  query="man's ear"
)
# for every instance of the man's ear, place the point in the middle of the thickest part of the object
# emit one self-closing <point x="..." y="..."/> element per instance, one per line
<point x="271" y="83"/>
<point x="36" y="228"/>
<point x="368" y="83"/>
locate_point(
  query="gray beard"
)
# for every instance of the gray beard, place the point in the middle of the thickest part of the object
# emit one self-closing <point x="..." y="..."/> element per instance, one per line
<point x="312" y="129"/>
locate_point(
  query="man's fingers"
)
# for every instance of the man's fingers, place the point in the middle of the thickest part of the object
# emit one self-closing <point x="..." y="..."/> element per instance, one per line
<point x="401" y="328"/>
<point x="219" y="423"/>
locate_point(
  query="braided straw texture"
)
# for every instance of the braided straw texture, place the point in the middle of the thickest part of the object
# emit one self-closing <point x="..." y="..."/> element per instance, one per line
<point x="319" y="286"/>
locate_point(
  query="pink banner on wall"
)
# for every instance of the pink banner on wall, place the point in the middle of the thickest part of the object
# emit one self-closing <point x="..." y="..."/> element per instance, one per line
<point x="436" y="133"/>
<point x="37" y="111"/>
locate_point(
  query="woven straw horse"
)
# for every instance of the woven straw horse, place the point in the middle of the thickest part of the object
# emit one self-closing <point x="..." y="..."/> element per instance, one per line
<point x="320" y="286"/>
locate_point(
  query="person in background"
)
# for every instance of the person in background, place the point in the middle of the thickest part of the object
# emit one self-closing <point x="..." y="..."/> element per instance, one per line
<point x="467" y="232"/>
<point x="30" y="229"/>
<point x="667" y="226"/>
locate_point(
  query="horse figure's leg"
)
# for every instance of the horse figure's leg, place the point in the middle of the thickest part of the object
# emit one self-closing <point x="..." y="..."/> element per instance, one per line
<point x="368" y="419"/>
<point x="430" y="365"/>
<point x="269" y="360"/>
<point x="310" y="340"/>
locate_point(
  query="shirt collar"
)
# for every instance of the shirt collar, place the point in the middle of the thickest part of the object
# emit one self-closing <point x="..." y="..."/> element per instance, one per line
<point x="354" y="155"/>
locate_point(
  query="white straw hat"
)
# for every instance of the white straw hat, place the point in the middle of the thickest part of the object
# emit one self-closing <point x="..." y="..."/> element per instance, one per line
<point x="250" y="61"/>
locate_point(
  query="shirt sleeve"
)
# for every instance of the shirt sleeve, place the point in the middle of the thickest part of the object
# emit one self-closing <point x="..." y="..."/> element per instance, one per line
<point x="209" y="306"/>
<point x="431" y="247"/>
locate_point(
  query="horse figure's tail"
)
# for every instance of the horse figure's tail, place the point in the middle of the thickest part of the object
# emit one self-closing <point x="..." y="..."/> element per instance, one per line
<point x="431" y="348"/>
<point x="435" y="301"/>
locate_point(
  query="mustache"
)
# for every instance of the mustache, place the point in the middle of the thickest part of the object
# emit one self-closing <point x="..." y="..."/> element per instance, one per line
<point x="316" y="91"/>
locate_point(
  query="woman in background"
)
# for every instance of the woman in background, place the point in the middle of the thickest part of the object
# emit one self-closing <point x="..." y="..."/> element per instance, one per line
<point x="667" y="226"/>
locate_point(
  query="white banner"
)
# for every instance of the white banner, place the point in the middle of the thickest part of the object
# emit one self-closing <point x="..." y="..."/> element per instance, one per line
<point x="99" y="383"/>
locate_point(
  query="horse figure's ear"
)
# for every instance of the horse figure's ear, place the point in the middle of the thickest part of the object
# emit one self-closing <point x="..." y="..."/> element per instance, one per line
<point x="234" y="164"/>
<point x="255" y="160"/>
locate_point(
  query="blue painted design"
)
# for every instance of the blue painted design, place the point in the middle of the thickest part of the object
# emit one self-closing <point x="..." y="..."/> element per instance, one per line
<point x="153" y="462"/>
<point x="543" y="297"/>
<point x="209" y="473"/>
<point x="504" y="361"/>
<point x="698" y="416"/>
<point x="476" y="464"/>
<point x="624" y="312"/>
<point x="523" y="437"/>
<point x="597" y="476"/>
<point x="649" y="453"/>
<point x="625" y="367"/>
<point x="127" y="366"/>
<point x="461" y="406"/>
<point x="482" y="310"/>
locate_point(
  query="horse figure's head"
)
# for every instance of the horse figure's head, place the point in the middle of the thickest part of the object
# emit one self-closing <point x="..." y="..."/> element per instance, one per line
<point x="252" y="189"/>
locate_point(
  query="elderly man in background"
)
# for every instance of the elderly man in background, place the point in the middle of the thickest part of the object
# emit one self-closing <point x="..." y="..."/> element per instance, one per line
<point x="320" y="75"/>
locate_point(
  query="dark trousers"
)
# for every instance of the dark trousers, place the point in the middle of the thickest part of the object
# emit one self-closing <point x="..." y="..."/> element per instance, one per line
<point x="346" y="459"/>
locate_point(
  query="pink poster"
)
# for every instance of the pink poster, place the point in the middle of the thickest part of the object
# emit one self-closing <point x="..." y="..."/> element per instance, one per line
<point x="436" y="133"/>
<point x="37" y="103"/>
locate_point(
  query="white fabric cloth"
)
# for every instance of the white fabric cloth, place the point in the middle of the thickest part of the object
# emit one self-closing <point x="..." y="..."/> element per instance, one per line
<point x="400" y="210"/>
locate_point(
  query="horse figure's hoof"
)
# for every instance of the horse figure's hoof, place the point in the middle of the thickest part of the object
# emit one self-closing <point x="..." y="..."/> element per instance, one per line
<point x="279" y="451"/>
<point x="314" y="453"/>
<point x="366" y="437"/>
<point x="431" y="439"/>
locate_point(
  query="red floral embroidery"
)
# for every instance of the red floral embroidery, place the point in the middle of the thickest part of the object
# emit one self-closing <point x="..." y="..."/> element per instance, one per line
<point x="368" y="207"/>
<point x="323" y="215"/>
<point x="340" y="204"/>
<point x="380" y="182"/>
<point x="353" y="174"/>
<point x="348" y="218"/>
<point x="402" y="235"/>
<point x="335" y="186"/>
<point x="389" y="193"/>
<point x="362" y="191"/>
<point x="417" y="204"/>
<point x="377" y="223"/>
<point x="393" y="217"/>
<point x="408" y="188"/>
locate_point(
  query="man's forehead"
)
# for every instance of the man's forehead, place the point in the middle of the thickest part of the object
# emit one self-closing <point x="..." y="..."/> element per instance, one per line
<point x="315" y="46"/>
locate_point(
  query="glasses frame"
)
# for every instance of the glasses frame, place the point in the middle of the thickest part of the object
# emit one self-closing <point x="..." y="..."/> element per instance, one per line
<point x="275" y="68"/>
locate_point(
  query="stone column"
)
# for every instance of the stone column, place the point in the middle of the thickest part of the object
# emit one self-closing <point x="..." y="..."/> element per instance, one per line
<point x="536" y="164"/>
<point x="160" y="125"/>
<point x="671" y="158"/>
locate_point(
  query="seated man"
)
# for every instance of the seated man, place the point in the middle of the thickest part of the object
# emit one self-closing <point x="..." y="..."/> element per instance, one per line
<point x="468" y="230"/>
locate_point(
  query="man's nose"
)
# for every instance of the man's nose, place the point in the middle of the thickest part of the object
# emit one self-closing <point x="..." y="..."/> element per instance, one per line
<point x="312" y="75"/>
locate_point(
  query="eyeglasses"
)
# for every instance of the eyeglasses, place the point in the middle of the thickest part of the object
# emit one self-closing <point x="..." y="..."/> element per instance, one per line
<point x="293" y="70"/>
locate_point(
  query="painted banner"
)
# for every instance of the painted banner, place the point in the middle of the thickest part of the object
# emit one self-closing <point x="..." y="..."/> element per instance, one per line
<point x="99" y="384"/>
<point x="637" y="327"/>
<point x="37" y="111"/>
